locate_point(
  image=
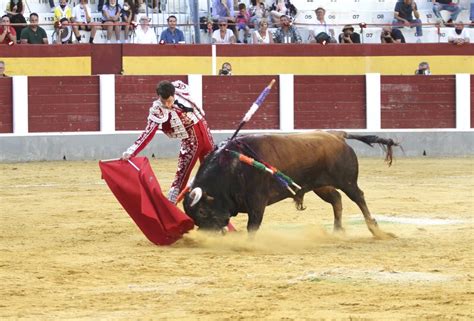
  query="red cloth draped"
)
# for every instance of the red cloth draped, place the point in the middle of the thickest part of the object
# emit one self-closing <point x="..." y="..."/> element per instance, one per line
<point x="139" y="192"/>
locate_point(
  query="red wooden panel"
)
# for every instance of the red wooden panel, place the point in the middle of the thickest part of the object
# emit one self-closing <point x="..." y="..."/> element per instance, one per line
<point x="418" y="102"/>
<point x="6" y="105"/>
<point x="134" y="96"/>
<point x="106" y="59"/>
<point x="472" y="101"/>
<point x="323" y="102"/>
<point x="63" y="104"/>
<point x="227" y="99"/>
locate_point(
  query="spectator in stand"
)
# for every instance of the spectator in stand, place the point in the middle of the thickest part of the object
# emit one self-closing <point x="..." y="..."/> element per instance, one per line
<point x="423" y="69"/>
<point x="348" y="35"/>
<point x="226" y="69"/>
<point x="172" y="34"/>
<point x="144" y="34"/>
<point x="258" y="12"/>
<point x="2" y="69"/>
<point x="15" y="11"/>
<point x="63" y="32"/>
<point x="242" y="20"/>
<point x="282" y="8"/>
<point x="81" y="17"/>
<point x="141" y="7"/>
<point x="403" y="16"/>
<point x="391" y="35"/>
<point x="448" y="5"/>
<point x="223" y="35"/>
<point x="110" y="19"/>
<point x="7" y="32"/>
<point x="286" y="33"/>
<point x="322" y="33"/>
<point x="128" y="16"/>
<point x="472" y="14"/>
<point x="262" y="35"/>
<point x="224" y="9"/>
<point x="459" y="35"/>
<point x="34" y="34"/>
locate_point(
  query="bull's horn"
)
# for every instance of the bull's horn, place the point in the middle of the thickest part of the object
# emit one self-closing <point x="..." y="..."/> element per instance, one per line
<point x="195" y="195"/>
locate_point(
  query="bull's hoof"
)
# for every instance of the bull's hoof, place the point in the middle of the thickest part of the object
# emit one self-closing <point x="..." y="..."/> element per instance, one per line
<point x="381" y="235"/>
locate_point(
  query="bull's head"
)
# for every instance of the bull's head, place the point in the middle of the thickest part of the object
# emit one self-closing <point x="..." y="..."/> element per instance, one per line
<point x="208" y="213"/>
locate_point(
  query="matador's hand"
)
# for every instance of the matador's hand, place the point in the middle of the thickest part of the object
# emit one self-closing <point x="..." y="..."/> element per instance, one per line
<point x="125" y="156"/>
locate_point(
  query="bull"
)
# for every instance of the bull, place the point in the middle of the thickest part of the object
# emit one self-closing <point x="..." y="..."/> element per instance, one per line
<point x="317" y="161"/>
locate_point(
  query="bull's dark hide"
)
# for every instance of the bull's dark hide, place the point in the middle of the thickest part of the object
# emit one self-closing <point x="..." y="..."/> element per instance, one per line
<point x="321" y="162"/>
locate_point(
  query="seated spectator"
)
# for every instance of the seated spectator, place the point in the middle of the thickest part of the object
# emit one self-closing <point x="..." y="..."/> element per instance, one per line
<point x="7" y="32"/>
<point x="110" y="19"/>
<point x="242" y="20"/>
<point x="172" y="34"/>
<point x="423" y="69"/>
<point x="286" y="33"/>
<point x="141" y="7"/>
<point x="258" y="12"/>
<point x="348" y="35"/>
<point x="34" y="34"/>
<point x="403" y="16"/>
<point x="63" y="32"/>
<point x="262" y="34"/>
<point x="143" y="33"/>
<point x="391" y="35"/>
<point x="63" y="11"/>
<point x="321" y="33"/>
<point x="223" y="35"/>
<point x="226" y="69"/>
<point x="224" y="9"/>
<point x="282" y="8"/>
<point x="471" y="15"/>
<point x="127" y="14"/>
<point x="15" y="11"/>
<point x="81" y="17"/>
<point x="459" y="35"/>
<point x="448" y="5"/>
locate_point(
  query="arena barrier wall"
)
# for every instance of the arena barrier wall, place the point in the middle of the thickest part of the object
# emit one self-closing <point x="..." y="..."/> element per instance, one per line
<point x="92" y="117"/>
<point x="297" y="59"/>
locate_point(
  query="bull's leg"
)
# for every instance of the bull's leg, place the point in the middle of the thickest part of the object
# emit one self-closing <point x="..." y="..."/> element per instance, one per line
<point x="331" y="195"/>
<point x="255" y="219"/>
<point x="357" y="196"/>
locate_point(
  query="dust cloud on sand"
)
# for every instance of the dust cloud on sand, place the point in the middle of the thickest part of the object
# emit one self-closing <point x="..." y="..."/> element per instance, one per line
<point x="69" y="251"/>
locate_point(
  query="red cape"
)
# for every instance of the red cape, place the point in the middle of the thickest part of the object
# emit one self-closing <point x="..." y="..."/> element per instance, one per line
<point x="139" y="192"/>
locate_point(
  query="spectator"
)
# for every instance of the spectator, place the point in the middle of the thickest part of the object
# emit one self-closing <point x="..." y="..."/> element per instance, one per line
<point x="34" y="34"/>
<point x="448" y="5"/>
<point x="64" y="11"/>
<point x="391" y="35"/>
<point x="144" y="34"/>
<point x="423" y="69"/>
<point x="282" y="8"/>
<point x="63" y="32"/>
<point x="321" y="33"/>
<point x="128" y="16"/>
<point x="110" y="19"/>
<point x="258" y="12"/>
<point x="226" y="69"/>
<point x="172" y="34"/>
<point x="262" y="35"/>
<point x="15" y="11"/>
<point x="458" y="35"/>
<point x="2" y="69"/>
<point x="7" y="32"/>
<point x="223" y="35"/>
<point x="472" y="14"/>
<point x="242" y="20"/>
<point x="141" y="7"/>
<point x="224" y="9"/>
<point x="286" y="33"/>
<point x="348" y="35"/>
<point x="81" y="17"/>
<point x="403" y="16"/>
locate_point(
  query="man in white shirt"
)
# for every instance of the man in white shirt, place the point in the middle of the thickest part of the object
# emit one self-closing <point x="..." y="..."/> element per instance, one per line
<point x="143" y="33"/>
<point x="81" y="17"/>
<point x="321" y="33"/>
<point x="459" y="35"/>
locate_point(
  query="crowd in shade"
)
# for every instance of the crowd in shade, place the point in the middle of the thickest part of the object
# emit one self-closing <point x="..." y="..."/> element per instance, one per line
<point x="228" y="22"/>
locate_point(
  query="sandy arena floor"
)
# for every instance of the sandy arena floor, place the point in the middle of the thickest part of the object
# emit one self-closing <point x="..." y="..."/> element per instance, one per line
<point x="69" y="251"/>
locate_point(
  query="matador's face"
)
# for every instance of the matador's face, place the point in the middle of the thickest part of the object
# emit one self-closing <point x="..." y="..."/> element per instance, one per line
<point x="168" y="103"/>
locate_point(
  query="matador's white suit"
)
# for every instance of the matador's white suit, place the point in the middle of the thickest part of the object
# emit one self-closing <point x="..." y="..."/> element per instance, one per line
<point x="185" y="120"/>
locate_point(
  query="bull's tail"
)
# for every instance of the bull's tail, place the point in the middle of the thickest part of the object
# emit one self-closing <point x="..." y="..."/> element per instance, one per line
<point x="370" y="140"/>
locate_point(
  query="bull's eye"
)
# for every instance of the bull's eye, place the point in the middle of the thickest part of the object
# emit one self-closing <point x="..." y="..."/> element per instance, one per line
<point x="202" y="213"/>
